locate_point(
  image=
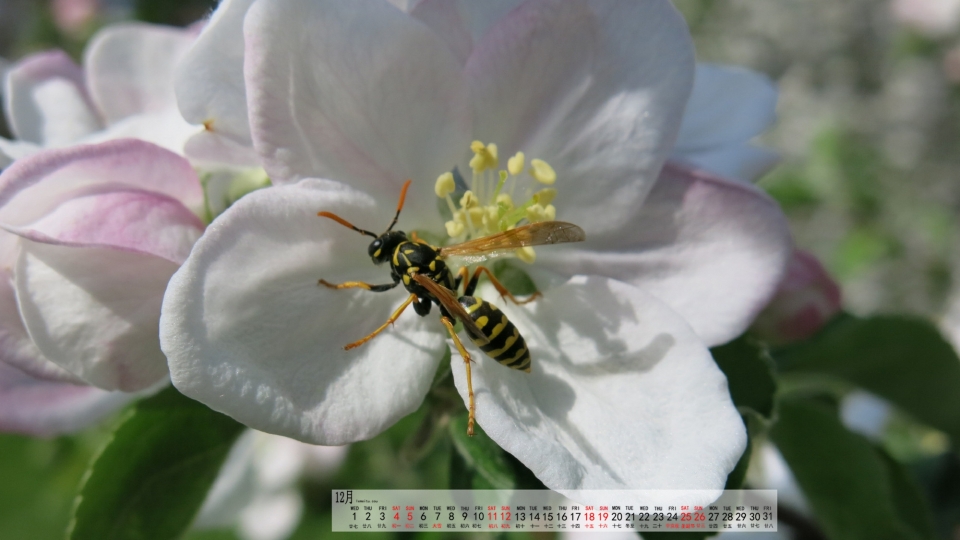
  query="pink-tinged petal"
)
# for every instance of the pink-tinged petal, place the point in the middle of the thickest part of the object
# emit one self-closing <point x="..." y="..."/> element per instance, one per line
<point x="35" y="185"/>
<point x="713" y="250"/>
<point x="11" y="151"/>
<point x="596" y="89"/>
<point x="130" y="68"/>
<point x="248" y="331"/>
<point x="132" y="220"/>
<point x="806" y="300"/>
<point x="728" y="105"/>
<point x="212" y="147"/>
<point x="738" y="161"/>
<point x="622" y="394"/>
<point x="43" y="408"/>
<point x="46" y="100"/>
<point x="95" y="311"/>
<point x="209" y="81"/>
<point x="327" y="100"/>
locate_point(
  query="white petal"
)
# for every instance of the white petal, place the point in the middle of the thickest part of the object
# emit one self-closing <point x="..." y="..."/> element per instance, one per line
<point x="622" y="394"/>
<point x="271" y="517"/>
<point x="233" y="489"/>
<point x="130" y="68"/>
<point x="11" y="151"/>
<point x="44" y="408"/>
<point x="16" y="347"/>
<point x="95" y="311"/>
<point x="165" y="128"/>
<point x="714" y="250"/>
<point x="738" y="161"/>
<point x="596" y="89"/>
<point x="46" y="100"/>
<point x="357" y="92"/>
<point x="248" y="331"/>
<point x="209" y="81"/>
<point x="215" y="148"/>
<point x="461" y="23"/>
<point x="728" y="105"/>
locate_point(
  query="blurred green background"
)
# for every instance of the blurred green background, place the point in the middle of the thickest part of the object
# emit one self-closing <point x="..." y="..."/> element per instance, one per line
<point x="869" y="130"/>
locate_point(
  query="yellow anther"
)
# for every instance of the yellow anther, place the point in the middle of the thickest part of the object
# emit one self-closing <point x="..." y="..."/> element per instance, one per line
<point x="515" y="164"/>
<point x="454" y="228"/>
<point x="484" y="157"/>
<point x="545" y="196"/>
<point x="469" y="200"/>
<point x="526" y="254"/>
<point x="476" y="214"/>
<point x="505" y="199"/>
<point x="493" y="216"/>
<point x="549" y="213"/>
<point x="445" y="185"/>
<point x="542" y="172"/>
<point x="535" y="213"/>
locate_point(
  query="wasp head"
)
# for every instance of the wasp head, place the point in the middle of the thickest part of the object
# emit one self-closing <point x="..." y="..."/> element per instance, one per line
<point x="382" y="248"/>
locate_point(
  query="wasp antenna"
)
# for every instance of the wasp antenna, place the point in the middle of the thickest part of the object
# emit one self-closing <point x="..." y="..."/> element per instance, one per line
<point x="403" y="196"/>
<point x="345" y="223"/>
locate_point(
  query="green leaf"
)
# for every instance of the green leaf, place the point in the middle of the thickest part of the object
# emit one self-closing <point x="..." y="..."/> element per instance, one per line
<point x="903" y="359"/>
<point x="909" y="500"/>
<point x="479" y="463"/>
<point x="849" y="484"/>
<point x="515" y="279"/>
<point x="749" y="372"/>
<point x="152" y="476"/>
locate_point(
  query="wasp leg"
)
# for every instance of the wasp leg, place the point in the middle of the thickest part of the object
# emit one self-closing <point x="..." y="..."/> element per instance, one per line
<point x="466" y="360"/>
<point x="358" y="285"/>
<point x="471" y="285"/>
<point x="394" y="317"/>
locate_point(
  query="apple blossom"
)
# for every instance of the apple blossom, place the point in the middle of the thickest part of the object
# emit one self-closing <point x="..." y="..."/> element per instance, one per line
<point x="366" y="96"/>
<point x="256" y="491"/>
<point x="123" y="90"/>
<point x="92" y="234"/>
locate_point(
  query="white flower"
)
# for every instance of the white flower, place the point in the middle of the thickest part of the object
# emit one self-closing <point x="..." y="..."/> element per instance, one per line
<point x="93" y="232"/>
<point x="256" y="491"/>
<point x="623" y="392"/>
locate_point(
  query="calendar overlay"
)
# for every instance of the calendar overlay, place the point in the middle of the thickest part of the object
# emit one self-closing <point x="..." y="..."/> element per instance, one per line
<point x="750" y="510"/>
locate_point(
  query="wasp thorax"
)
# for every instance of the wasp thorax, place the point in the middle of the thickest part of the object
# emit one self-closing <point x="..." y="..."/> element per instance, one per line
<point x="382" y="248"/>
<point x="488" y="207"/>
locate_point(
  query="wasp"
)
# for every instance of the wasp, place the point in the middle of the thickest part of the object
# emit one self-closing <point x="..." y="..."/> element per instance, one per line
<point x="425" y="275"/>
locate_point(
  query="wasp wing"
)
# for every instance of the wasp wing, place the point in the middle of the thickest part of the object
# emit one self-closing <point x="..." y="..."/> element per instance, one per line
<point x="534" y="234"/>
<point x="449" y="301"/>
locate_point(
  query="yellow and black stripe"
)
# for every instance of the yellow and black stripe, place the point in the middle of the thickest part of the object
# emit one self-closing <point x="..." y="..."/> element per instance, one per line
<point x="506" y="345"/>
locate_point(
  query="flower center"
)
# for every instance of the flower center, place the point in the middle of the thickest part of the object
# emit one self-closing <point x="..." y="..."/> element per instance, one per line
<point x="488" y="207"/>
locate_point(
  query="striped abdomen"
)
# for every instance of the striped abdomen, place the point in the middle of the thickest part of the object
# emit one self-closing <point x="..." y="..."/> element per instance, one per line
<point x="506" y="344"/>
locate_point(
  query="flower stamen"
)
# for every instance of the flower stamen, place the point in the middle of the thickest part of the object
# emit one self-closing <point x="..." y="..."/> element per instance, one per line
<point x="486" y="208"/>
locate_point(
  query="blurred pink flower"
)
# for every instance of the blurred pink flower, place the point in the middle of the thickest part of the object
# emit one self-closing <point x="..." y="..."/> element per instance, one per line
<point x="934" y="18"/>
<point x="72" y="16"/>
<point x="806" y="299"/>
